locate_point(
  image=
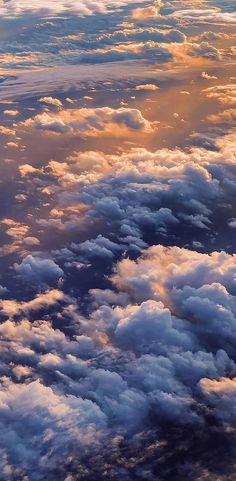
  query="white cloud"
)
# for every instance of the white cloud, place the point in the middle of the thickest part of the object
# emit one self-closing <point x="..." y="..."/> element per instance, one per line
<point x="88" y="121"/>
<point x="58" y="7"/>
<point x="38" y="270"/>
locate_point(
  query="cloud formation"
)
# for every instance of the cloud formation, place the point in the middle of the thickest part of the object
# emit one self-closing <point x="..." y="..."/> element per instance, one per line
<point x="54" y="7"/>
<point x="88" y="121"/>
<point x="117" y="223"/>
<point x="163" y="344"/>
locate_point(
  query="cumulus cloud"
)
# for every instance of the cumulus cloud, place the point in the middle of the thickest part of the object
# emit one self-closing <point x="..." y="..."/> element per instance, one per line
<point x="118" y="278"/>
<point x="141" y="190"/>
<point x="161" y="342"/>
<point x="44" y="300"/>
<point x="140" y="34"/>
<point x="56" y="423"/>
<point x="194" y="286"/>
<point x="38" y="270"/>
<point x="146" y="87"/>
<point x="11" y="113"/>
<point x="52" y="7"/>
<point x="187" y="51"/>
<point x="151" y="351"/>
<point x="3" y="290"/>
<point x="207" y="76"/>
<point x="87" y="121"/>
<point x="221" y="394"/>
<point x="196" y="12"/>
<point x="146" y="13"/>
<point x="51" y="101"/>
<point x="227" y="117"/>
<point x="99" y="247"/>
<point x="206" y="15"/>
<point x="224" y="94"/>
<point x="26" y="169"/>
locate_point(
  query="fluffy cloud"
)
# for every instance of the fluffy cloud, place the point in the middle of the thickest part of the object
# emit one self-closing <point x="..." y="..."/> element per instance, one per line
<point x="227" y="117"/>
<point x="54" y="423"/>
<point x="146" y="87"/>
<point x="146" y="13"/>
<point x="221" y="394"/>
<point x="214" y="15"/>
<point x="99" y="247"/>
<point x="11" y="113"/>
<point x="207" y="76"/>
<point x="51" y="101"/>
<point x="54" y="7"/>
<point x="164" y="347"/>
<point x="90" y="121"/>
<point x="196" y="12"/>
<point x="142" y="190"/>
<point x="187" y="51"/>
<point x="194" y="286"/>
<point x="140" y="34"/>
<point x="38" y="270"/>
<point x="224" y="94"/>
<point x="118" y="292"/>
<point x="45" y="300"/>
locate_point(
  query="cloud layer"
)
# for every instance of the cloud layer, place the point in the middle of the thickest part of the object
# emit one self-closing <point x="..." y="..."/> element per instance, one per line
<point x="117" y="245"/>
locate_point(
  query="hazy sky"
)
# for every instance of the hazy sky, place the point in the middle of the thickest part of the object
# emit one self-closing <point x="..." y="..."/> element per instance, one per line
<point x="117" y="246"/>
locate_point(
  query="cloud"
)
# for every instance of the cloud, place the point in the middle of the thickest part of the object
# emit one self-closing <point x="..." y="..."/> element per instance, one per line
<point x="55" y="423"/>
<point x="26" y="169"/>
<point x="100" y="247"/>
<point x="87" y="121"/>
<point x="11" y="113"/>
<point x="146" y="13"/>
<point x="220" y="394"/>
<point x="118" y="291"/>
<point x="207" y="15"/>
<point x="227" y="117"/>
<point x="194" y="13"/>
<point x="49" y="298"/>
<point x="224" y="94"/>
<point x="187" y="51"/>
<point x="194" y="286"/>
<point x="140" y="34"/>
<point x="3" y="290"/>
<point x="146" y="87"/>
<point x="117" y="190"/>
<point x="38" y="270"/>
<point x="51" y="101"/>
<point x="55" y="7"/>
<point x="149" y="351"/>
<point x="31" y="241"/>
<point x="146" y="325"/>
<point x="149" y="50"/>
<point x="207" y="76"/>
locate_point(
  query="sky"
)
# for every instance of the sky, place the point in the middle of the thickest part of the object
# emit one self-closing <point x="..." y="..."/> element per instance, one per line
<point x="117" y="240"/>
